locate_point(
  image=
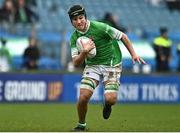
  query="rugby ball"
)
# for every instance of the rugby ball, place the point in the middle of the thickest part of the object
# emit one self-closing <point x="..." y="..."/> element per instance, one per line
<point x="79" y="45"/>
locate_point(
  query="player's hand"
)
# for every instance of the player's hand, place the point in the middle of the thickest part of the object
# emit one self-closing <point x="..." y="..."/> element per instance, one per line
<point x="88" y="46"/>
<point x="138" y="59"/>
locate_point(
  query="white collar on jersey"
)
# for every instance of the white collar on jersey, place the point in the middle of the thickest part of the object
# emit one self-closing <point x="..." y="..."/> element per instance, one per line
<point x="88" y="25"/>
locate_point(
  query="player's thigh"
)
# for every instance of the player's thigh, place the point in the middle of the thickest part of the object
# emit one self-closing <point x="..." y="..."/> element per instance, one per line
<point x="111" y="78"/>
<point x="87" y="88"/>
<point x="90" y="78"/>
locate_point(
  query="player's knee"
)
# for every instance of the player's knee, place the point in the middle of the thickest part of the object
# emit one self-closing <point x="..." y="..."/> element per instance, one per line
<point x="84" y="98"/>
<point x="85" y="95"/>
<point x="111" y="89"/>
<point x="111" y="98"/>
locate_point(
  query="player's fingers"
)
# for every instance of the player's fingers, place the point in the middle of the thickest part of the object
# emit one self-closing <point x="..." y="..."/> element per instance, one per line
<point x="138" y="60"/>
<point x="93" y="44"/>
<point x="142" y="61"/>
<point x="90" y="40"/>
<point x="133" y="61"/>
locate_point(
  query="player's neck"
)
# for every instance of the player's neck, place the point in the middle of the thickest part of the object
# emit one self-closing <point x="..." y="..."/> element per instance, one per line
<point x="86" y="28"/>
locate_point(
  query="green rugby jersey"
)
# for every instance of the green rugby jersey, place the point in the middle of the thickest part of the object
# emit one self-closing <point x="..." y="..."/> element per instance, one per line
<point x="105" y="38"/>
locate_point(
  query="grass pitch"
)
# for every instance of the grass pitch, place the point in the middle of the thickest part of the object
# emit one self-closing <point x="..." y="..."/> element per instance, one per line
<point x="63" y="117"/>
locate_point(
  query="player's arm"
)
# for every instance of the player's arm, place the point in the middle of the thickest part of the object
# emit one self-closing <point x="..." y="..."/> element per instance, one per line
<point x="116" y="34"/>
<point x="77" y="58"/>
<point x="80" y="58"/>
<point x="130" y="48"/>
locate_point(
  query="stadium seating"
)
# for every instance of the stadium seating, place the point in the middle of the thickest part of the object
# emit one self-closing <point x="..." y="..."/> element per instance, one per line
<point x="142" y="18"/>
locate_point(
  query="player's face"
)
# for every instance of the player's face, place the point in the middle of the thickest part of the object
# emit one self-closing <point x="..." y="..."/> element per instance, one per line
<point x="79" y="22"/>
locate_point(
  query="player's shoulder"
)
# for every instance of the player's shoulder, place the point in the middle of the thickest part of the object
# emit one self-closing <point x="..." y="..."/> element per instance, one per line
<point x="97" y="23"/>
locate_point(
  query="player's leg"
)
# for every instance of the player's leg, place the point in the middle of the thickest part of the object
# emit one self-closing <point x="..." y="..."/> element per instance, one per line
<point x="110" y="99"/>
<point x="111" y="85"/>
<point x="86" y="90"/>
<point x="88" y="84"/>
<point x="82" y="106"/>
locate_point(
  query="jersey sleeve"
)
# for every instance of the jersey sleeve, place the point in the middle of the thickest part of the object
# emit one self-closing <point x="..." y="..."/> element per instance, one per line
<point x="74" y="50"/>
<point x="111" y="31"/>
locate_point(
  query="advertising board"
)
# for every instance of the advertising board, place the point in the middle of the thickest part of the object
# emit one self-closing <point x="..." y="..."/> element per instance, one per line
<point x="65" y="88"/>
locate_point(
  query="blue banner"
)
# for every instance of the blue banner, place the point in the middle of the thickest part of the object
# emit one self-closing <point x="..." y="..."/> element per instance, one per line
<point x="30" y="87"/>
<point x="150" y="89"/>
<point x="65" y="88"/>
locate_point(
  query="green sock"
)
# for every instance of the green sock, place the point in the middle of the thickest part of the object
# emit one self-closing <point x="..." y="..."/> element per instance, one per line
<point x="82" y="124"/>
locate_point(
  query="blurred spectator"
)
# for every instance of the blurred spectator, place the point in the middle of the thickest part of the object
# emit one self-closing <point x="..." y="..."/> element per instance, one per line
<point x="112" y="20"/>
<point x="154" y="2"/>
<point x="5" y="57"/>
<point x="162" y="46"/>
<point x="7" y="12"/>
<point x="31" y="3"/>
<point x="53" y="8"/>
<point x="173" y="4"/>
<point x="31" y="55"/>
<point x="178" y="53"/>
<point x="24" y="14"/>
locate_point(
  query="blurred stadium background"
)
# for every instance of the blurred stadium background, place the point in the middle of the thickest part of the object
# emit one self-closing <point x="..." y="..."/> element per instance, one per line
<point x="56" y="81"/>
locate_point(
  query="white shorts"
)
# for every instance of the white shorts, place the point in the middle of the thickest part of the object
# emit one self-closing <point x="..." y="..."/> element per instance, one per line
<point x="102" y="72"/>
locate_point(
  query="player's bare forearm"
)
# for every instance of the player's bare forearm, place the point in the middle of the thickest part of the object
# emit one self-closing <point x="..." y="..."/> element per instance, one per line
<point x="78" y="60"/>
<point x="128" y="44"/>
